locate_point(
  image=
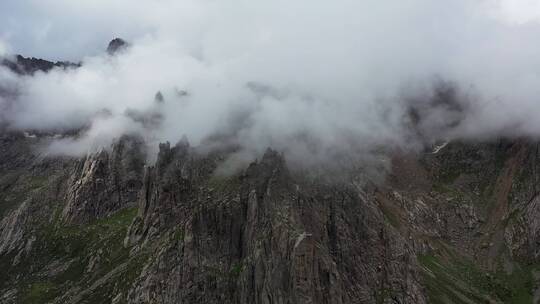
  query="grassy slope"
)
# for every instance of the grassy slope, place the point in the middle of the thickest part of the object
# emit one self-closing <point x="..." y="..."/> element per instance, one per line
<point x="59" y="262"/>
<point x="450" y="278"/>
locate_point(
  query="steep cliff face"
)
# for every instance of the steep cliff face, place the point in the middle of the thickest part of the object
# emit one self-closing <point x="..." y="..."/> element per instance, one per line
<point x="456" y="226"/>
<point x="265" y="236"/>
<point x="106" y="181"/>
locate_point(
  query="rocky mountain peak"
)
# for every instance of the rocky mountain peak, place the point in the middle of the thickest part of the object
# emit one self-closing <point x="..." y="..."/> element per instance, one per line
<point x="116" y="45"/>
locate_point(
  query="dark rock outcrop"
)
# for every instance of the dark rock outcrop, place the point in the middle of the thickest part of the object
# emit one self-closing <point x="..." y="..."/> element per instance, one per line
<point x="28" y="66"/>
<point x="116" y="45"/>
<point x="106" y="181"/>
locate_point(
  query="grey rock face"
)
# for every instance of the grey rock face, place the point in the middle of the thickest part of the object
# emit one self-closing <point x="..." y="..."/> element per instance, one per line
<point x="106" y="228"/>
<point x="12" y="228"/>
<point x="106" y="181"/>
<point x="169" y="190"/>
<point x="264" y="238"/>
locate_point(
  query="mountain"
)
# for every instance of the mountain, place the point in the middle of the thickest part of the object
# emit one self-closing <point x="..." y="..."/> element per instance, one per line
<point x="455" y="224"/>
<point x="28" y="66"/>
<point x="116" y="45"/>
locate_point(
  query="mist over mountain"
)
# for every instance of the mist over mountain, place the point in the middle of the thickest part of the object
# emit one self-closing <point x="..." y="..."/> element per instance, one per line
<point x="313" y="80"/>
<point x="269" y="152"/>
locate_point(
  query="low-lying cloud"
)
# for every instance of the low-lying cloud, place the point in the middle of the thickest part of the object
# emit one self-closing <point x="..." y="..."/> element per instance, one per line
<point x="314" y="79"/>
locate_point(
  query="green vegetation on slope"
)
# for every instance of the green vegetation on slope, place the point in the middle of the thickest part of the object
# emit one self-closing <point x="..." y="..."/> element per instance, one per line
<point x="74" y="260"/>
<point x="454" y="279"/>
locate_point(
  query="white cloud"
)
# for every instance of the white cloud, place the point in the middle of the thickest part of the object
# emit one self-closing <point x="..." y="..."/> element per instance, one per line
<point x="3" y="48"/>
<point x="312" y="78"/>
<point x="519" y="11"/>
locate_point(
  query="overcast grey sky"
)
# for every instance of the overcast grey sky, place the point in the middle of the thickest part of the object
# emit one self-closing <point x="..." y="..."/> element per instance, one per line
<point x="64" y="29"/>
<point x="59" y="29"/>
